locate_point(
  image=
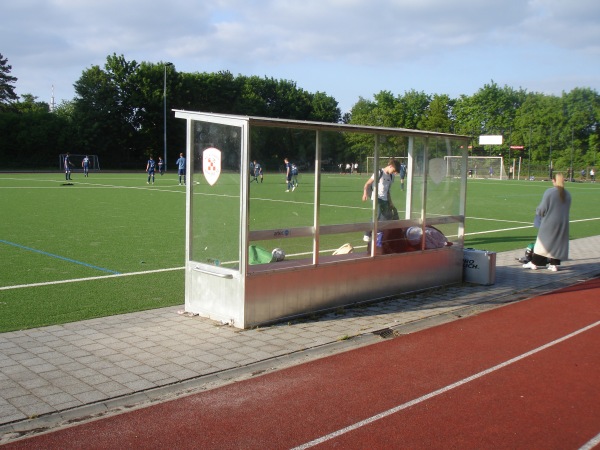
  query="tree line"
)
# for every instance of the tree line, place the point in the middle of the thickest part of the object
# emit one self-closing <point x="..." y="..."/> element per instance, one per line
<point x="118" y="114"/>
<point x="557" y="131"/>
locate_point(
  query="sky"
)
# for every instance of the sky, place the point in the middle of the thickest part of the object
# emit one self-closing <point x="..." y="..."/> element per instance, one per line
<point x="347" y="49"/>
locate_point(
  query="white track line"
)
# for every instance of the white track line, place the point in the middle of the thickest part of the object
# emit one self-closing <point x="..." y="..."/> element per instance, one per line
<point x="592" y="443"/>
<point x="443" y="390"/>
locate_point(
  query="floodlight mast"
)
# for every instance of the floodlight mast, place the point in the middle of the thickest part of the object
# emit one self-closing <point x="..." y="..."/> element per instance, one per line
<point x="165" y="115"/>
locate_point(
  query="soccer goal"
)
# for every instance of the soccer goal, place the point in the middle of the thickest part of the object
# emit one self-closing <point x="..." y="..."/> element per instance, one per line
<point x="383" y="160"/>
<point x="477" y="167"/>
<point x="77" y="161"/>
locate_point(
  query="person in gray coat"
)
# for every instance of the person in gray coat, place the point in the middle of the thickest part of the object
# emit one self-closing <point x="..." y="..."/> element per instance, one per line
<point x="552" y="243"/>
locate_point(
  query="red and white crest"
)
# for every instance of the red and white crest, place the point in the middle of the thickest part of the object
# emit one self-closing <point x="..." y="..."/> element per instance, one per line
<point x="211" y="164"/>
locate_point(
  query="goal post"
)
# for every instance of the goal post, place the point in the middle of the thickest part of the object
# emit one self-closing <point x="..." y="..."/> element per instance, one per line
<point x="77" y="161"/>
<point x="491" y="167"/>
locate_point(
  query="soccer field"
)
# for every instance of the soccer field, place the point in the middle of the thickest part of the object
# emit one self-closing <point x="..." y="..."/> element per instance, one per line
<point x="111" y="244"/>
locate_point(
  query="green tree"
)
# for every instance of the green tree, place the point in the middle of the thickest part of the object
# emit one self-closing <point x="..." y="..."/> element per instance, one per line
<point x="109" y="111"/>
<point x="29" y="104"/>
<point x="7" y="90"/>
<point x="65" y="109"/>
<point x="438" y="114"/>
<point x="581" y="109"/>
<point x="324" y="108"/>
<point x="414" y="106"/>
<point x="360" y="146"/>
<point x="491" y="110"/>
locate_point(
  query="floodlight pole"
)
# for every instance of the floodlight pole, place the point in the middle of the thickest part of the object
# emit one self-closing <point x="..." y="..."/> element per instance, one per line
<point x="529" y="163"/>
<point x="571" y="177"/>
<point x="550" y="162"/>
<point x="165" y="115"/>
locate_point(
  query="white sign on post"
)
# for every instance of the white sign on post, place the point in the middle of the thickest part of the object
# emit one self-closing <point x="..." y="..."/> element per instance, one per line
<point x="490" y="139"/>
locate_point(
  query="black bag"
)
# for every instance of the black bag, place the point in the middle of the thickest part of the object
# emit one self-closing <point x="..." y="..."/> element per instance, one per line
<point x="528" y="254"/>
<point x="387" y="211"/>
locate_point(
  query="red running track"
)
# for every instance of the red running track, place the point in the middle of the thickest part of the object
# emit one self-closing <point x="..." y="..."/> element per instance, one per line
<point x="526" y="375"/>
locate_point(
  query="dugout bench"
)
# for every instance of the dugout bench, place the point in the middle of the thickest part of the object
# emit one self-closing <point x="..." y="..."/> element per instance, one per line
<point x="227" y="211"/>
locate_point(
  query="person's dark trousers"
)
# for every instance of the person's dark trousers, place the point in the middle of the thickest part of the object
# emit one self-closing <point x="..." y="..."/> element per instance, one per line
<point x="539" y="260"/>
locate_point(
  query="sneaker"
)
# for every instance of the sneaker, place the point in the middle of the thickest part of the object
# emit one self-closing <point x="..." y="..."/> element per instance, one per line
<point x="294" y="188"/>
<point x="287" y="190"/>
<point x="367" y="238"/>
<point x="553" y="268"/>
<point x="530" y="265"/>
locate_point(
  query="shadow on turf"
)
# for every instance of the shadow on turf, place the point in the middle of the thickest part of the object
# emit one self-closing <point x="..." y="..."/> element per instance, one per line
<point x="482" y="242"/>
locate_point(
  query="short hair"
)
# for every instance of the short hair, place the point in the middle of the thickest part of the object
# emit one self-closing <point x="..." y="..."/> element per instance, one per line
<point x="394" y="162"/>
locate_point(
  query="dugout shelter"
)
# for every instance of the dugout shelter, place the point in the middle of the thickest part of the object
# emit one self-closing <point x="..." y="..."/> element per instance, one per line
<point x="229" y="218"/>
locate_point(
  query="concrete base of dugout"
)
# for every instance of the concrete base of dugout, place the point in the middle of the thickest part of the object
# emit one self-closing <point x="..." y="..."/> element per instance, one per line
<point x="285" y="290"/>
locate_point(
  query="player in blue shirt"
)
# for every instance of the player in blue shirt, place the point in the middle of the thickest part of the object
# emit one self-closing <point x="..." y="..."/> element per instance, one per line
<point x="402" y="175"/>
<point x="256" y="172"/>
<point x="161" y="166"/>
<point x="150" y="166"/>
<point x="181" y="168"/>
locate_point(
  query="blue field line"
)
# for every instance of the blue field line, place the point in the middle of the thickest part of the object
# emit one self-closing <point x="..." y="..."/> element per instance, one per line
<point x="58" y="257"/>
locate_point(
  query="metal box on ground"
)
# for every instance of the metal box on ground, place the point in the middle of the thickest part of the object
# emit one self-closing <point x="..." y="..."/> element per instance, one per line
<point x="479" y="266"/>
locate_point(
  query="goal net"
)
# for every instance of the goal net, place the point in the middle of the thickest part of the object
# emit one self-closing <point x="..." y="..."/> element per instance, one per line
<point x="383" y="161"/>
<point x="77" y="161"/>
<point x="477" y="167"/>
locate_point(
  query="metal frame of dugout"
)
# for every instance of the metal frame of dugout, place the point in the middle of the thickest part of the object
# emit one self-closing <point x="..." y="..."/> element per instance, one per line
<point x="226" y="215"/>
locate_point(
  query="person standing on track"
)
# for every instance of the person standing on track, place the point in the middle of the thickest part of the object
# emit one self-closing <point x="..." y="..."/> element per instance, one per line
<point x="181" y="168"/>
<point x="552" y="243"/>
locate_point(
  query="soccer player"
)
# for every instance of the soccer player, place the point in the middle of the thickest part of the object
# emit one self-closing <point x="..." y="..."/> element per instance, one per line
<point x="402" y="175"/>
<point x="85" y="163"/>
<point x="181" y="168"/>
<point x="294" y="176"/>
<point x="161" y="166"/>
<point x="257" y="172"/>
<point x="150" y="166"/>
<point x="67" y="164"/>
<point x="288" y="174"/>
<point x="380" y="190"/>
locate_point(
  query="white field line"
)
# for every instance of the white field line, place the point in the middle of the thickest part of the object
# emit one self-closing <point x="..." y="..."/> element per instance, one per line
<point x="100" y="185"/>
<point x="440" y="391"/>
<point x="520" y="228"/>
<point x="77" y="280"/>
<point x="86" y="184"/>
